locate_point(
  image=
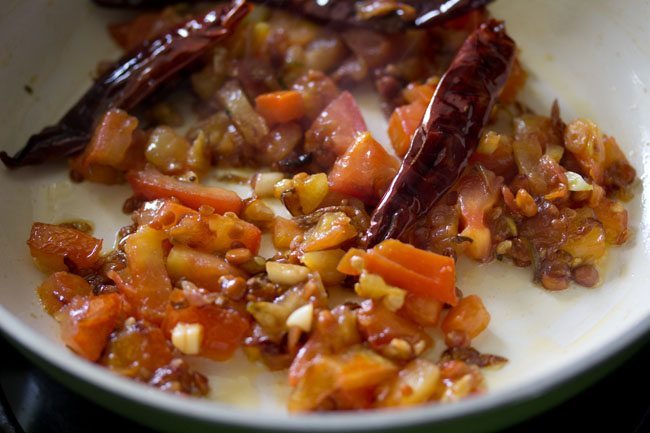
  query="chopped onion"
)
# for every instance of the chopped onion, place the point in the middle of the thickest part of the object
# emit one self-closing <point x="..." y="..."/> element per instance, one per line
<point x="577" y="183"/>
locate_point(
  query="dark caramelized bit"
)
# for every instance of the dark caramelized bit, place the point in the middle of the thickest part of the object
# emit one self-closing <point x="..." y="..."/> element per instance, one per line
<point x="471" y="356"/>
<point x="177" y="377"/>
<point x="384" y="15"/>
<point x="449" y="134"/>
<point x="131" y="79"/>
<point x="585" y="275"/>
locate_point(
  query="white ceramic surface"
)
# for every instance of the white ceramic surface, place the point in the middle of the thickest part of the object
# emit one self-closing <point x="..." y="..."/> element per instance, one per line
<point x="590" y="55"/>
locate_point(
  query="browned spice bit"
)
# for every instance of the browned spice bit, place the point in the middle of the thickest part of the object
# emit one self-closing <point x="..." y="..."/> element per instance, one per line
<point x="132" y="204"/>
<point x="82" y="226"/>
<point x="472" y="356"/>
<point x="554" y="275"/>
<point x="233" y="287"/>
<point x="177" y="377"/>
<point x="585" y="275"/>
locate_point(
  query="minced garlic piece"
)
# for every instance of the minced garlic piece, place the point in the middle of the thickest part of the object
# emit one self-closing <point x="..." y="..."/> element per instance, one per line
<point x="285" y="273"/>
<point x="302" y="318"/>
<point x="187" y="337"/>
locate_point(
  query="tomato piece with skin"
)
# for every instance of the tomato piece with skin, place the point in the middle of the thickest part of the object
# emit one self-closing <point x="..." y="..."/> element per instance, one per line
<point x="87" y="322"/>
<point x="469" y="316"/>
<point x="201" y="268"/>
<point x="150" y="285"/>
<point x="403" y="123"/>
<point x="424" y="311"/>
<point x="162" y="213"/>
<point x="59" y="288"/>
<point x="49" y="244"/>
<point x="223" y="329"/>
<point x="151" y="184"/>
<point x="334" y="130"/>
<point x="364" y="171"/>
<point x="380" y="326"/>
<point x="281" y="106"/>
<point x="137" y="351"/>
<point x="111" y="139"/>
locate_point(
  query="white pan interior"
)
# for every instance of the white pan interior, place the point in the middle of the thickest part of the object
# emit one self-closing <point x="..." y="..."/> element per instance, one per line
<point x="590" y="55"/>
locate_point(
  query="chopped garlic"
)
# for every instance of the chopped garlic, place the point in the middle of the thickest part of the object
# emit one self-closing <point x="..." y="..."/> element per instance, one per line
<point x="281" y="187"/>
<point x="284" y="273"/>
<point x="489" y="143"/>
<point x="264" y="183"/>
<point x="301" y="318"/>
<point x="374" y="287"/>
<point x="577" y="183"/>
<point x="187" y="337"/>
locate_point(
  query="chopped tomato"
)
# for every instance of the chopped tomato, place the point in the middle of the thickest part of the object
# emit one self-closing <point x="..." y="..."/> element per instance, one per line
<point x="422" y="273"/>
<point x="419" y="92"/>
<point x="613" y="216"/>
<point x="87" y="322"/>
<point x="49" y="244"/>
<point x="380" y="327"/>
<point x="215" y="233"/>
<point x="283" y="232"/>
<point x="280" y="107"/>
<point x="149" y="283"/>
<point x="469" y="316"/>
<point x="364" y="171"/>
<point x="59" y="289"/>
<point x="137" y="351"/>
<point x="346" y="266"/>
<point x="402" y="125"/>
<point x="334" y="331"/>
<point x="425" y="311"/>
<point x="341" y="377"/>
<point x="203" y="269"/>
<point x="334" y="130"/>
<point x="232" y="232"/>
<point x="150" y="184"/>
<point x="223" y="329"/>
<point x="584" y="139"/>
<point x="162" y="214"/>
<point x="332" y="230"/>
<point x="111" y="139"/>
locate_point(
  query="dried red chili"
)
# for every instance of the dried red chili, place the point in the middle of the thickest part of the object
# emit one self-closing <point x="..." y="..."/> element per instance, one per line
<point x="131" y="79"/>
<point x="449" y="132"/>
<point x="381" y="15"/>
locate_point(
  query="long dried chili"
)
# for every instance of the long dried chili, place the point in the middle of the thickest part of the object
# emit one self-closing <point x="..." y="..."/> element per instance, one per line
<point x="134" y="77"/>
<point x="449" y="132"/>
<point x="383" y="15"/>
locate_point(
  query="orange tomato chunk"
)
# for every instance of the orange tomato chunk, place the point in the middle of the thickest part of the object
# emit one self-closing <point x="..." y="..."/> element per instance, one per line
<point x="469" y="316"/>
<point x="151" y="184"/>
<point x="402" y="125"/>
<point x="49" y="244"/>
<point x="364" y="171"/>
<point x="201" y="268"/>
<point x="223" y="329"/>
<point x="280" y="107"/>
<point x="59" y="289"/>
<point x="87" y="322"/>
